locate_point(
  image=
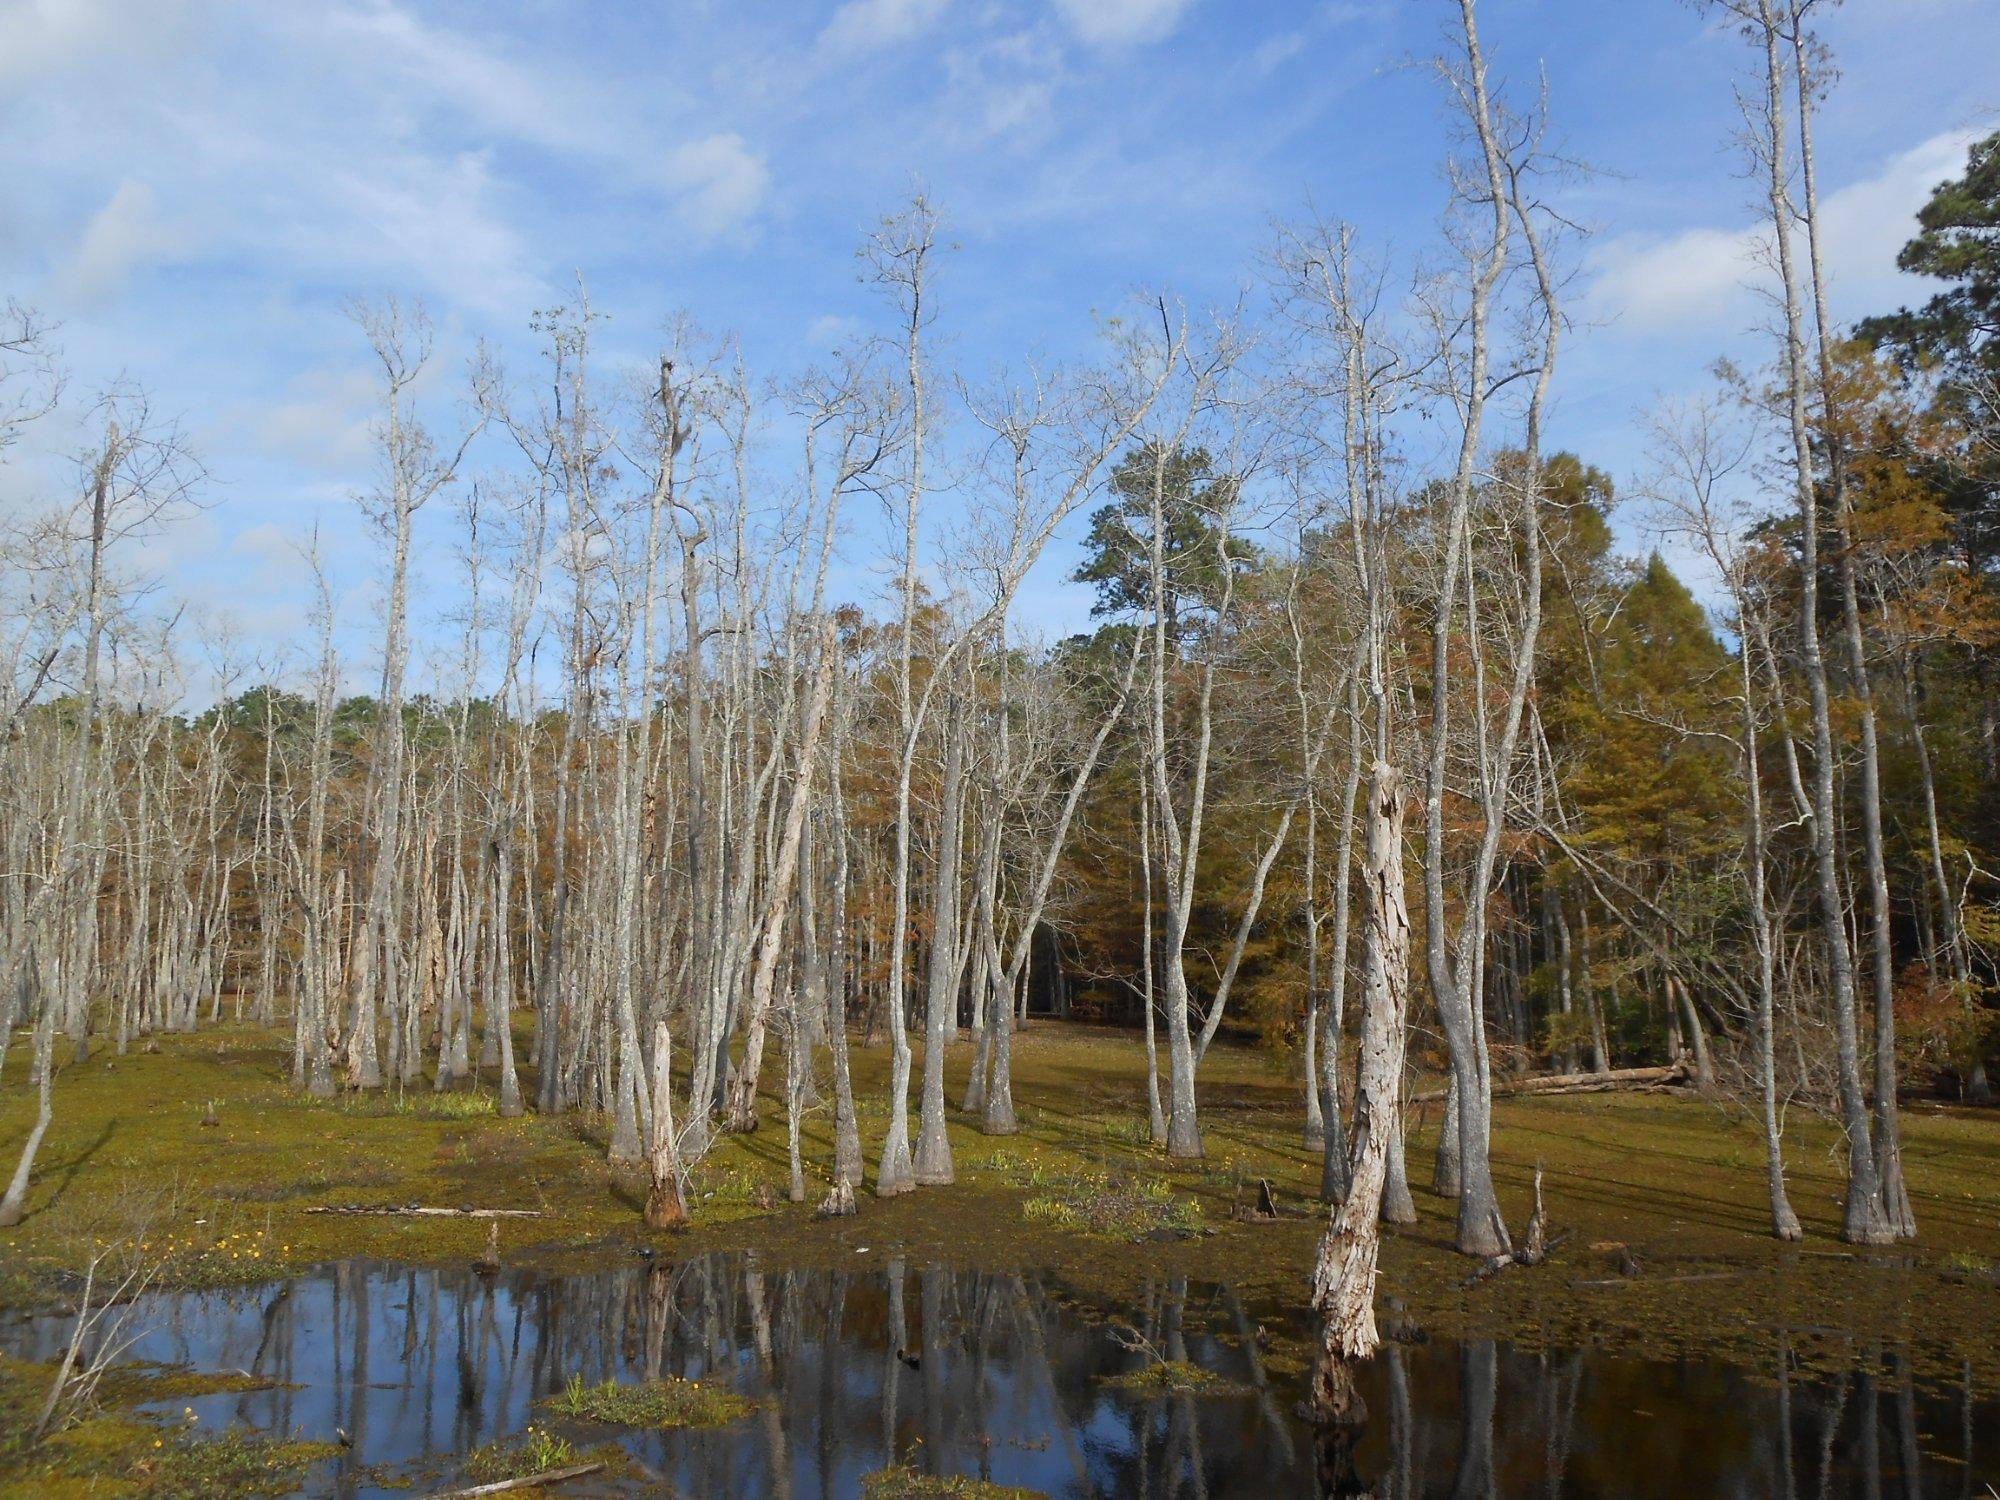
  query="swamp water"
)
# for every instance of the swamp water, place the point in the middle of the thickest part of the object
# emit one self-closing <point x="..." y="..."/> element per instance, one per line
<point x="1010" y="1378"/>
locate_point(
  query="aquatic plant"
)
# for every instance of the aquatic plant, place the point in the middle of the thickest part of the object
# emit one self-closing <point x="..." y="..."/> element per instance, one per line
<point x="1171" y="1377"/>
<point x="899" y="1483"/>
<point x="651" y="1403"/>
<point x="1114" y="1206"/>
<point x="534" y="1450"/>
<point x="235" y="1463"/>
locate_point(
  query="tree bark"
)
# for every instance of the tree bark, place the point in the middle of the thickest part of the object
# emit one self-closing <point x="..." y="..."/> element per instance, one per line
<point x="1343" y="1283"/>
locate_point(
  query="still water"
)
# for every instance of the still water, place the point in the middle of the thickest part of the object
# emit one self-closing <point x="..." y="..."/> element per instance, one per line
<point x="1006" y="1377"/>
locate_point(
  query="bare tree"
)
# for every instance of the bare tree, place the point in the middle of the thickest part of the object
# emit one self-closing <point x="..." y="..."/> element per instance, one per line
<point x="413" y="471"/>
<point x="1810" y="75"/>
<point x="1864" y="1220"/>
<point x="1698" y="461"/>
<point x="1499" y="192"/>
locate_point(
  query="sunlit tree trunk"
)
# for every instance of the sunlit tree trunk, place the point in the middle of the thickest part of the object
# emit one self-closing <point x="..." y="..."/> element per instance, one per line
<point x="1886" y="1143"/>
<point x="1863" y="1220"/>
<point x="1343" y="1282"/>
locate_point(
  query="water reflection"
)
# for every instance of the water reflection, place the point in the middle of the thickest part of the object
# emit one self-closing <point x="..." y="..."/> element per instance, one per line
<point x="1003" y="1376"/>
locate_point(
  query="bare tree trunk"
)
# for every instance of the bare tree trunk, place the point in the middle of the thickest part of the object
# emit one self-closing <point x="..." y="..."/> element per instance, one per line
<point x="904" y="252"/>
<point x="1894" y="1207"/>
<point x="13" y="1207"/>
<point x="1784" y="1222"/>
<point x="1481" y="1230"/>
<point x="415" y="473"/>
<point x="664" y="1208"/>
<point x="1863" y="1220"/>
<point x="778" y="892"/>
<point x="1704" y="1069"/>
<point x="999" y="1117"/>
<point x="1344" y="1272"/>
<point x="989" y="990"/>
<point x="1156" y="1120"/>
<point x="1315" y="1125"/>
<point x="932" y="1166"/>
<point x="1600" y="1050"/>
<point x="1333" y="1173"/>
<point x="847" y="1161"/>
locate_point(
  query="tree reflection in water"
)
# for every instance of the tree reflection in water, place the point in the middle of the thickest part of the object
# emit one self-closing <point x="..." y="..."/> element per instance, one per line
<point x="1004" y="1376"/>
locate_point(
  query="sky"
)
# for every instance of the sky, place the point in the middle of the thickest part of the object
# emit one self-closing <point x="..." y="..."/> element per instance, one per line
<point x="196" y="188"/>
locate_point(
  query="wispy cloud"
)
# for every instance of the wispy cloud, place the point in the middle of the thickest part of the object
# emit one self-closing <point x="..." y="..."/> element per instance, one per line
<point x="861" y="26"/>
<point x="124" y="236"/>
<point x="1700" y="280"/>
<point x="1003" y="85"/>
<point x="1121" y="23"/>
<point x="39" y="38"/>
<point x="720" y="183"/>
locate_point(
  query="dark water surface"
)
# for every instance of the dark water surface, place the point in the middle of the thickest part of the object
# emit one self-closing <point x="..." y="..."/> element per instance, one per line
<point x="1004" y="1377"/>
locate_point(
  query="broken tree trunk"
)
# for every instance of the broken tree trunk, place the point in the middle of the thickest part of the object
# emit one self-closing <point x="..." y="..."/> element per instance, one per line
<point x="1344" y="1276"/>
<point x="1532" y="1251"/>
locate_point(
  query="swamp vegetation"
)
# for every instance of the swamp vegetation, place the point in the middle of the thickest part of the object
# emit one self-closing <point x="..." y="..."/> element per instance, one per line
<point x="1417" y="996"/>
<point x="1667" y="1274"/>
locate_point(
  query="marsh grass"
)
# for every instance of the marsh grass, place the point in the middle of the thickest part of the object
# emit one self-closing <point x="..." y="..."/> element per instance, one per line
<point x="108" y="1449"/>
<point x="408" y="1104"/>
<point x="718" y="1184"/>
<point x="236" y="1463"/>
<point x="138" y="1383"/>
<point x="899" y="1483"/>
<point x="533" y="1450"/>
<point x="1114" y="1205"/>
<point x="1169" y="1377"/>
<point x="1134" y="1133"/>
<point x="652" y="1403"/>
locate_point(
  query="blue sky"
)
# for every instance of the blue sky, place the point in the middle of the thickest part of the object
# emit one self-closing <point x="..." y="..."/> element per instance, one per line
<point x="194" y="187"/>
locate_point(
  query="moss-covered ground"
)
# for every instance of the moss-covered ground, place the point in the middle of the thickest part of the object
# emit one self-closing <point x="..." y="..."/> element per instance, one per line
<point x="1671" y="1188"/>
<point x="123" y="1443"/>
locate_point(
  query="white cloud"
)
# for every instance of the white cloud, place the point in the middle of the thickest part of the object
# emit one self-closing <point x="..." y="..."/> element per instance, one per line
<point x="1005" y="84"/>
<point x="343" y="141"/>
<point x="325" y="422"/>
<point x="832" y="331"/>
<point x="720" y="181"/>
<point x="40" y="37"/>
<point x="124" y="236"/>
<point x="452" y="68"/>
<point x="1118" y="23"/>
<point x="416" y="214"/>
<point x="277" y="556"/>
<point x="1277" y="50"/>
<point x="1699" y="279"/>
<point x="1652" y="282"/>
<point x="873" y="25"/>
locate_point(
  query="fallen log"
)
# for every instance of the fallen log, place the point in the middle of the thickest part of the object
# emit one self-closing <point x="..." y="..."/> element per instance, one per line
<point x="1659" y="1280"/>
<point x="1673" y="1075"/>
<point x="526" y="1481"/>
<point x="412" y="1210"/>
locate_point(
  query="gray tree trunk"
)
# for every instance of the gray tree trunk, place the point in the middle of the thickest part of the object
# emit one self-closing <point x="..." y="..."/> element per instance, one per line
<point x="1343" y="1283"/>
<point x="932" y="1166"/>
